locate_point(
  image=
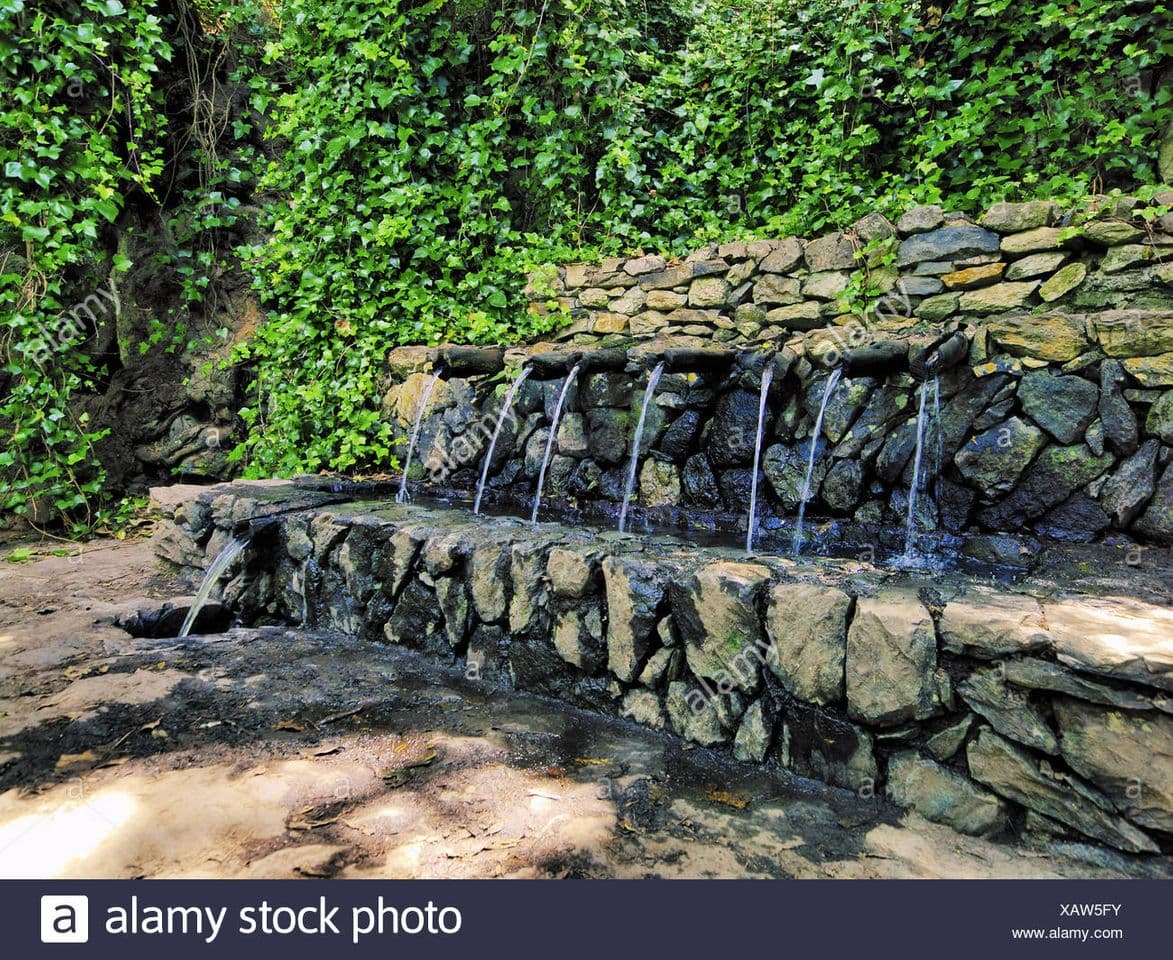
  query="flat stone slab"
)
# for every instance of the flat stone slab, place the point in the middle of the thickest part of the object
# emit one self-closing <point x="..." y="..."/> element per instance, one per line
<point x="1120" y="638"/>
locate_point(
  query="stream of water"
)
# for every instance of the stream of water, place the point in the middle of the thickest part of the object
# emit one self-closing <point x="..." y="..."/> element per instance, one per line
<point x="639" y="433"/>
<point x="506" y="407"/>
<point x="832" y="383"/>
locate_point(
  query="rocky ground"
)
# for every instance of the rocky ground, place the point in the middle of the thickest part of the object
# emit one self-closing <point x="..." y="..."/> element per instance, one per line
<point x="276" y="753"/>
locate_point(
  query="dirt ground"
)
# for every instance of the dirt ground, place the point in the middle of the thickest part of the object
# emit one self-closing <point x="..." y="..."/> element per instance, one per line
<point x="275" y="753"/>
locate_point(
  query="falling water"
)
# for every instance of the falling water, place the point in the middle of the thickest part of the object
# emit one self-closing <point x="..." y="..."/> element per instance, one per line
<point x="832" y="383"/>
<point x="401" y="497"/>
<point x="937" y="431"/>
<point x="639" y="432"/>
<point x="506" y="407"/>
<point x="216" y="570"/>
<point x="914" y="488"/>
<point x="570" y="378"/>
<point x="767" y="377"/>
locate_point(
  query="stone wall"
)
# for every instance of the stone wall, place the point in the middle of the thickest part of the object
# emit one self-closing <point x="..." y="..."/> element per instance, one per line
<point x="995" y="711"/>
<point x="929" y="266"/>
<point x="1056" y="426"/>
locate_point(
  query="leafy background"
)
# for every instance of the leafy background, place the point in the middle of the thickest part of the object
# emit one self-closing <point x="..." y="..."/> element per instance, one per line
<point x="387" y="172"/>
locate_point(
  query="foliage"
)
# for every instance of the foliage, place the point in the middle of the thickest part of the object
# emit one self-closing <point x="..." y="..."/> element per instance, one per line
<point x="79" y="128"/>
<point x="424" y="155"/>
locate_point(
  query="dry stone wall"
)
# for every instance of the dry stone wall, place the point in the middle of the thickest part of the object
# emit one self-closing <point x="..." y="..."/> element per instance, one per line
<point x="995" y="711"/>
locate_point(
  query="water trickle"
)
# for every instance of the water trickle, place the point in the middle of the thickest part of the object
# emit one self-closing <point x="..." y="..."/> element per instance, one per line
<point x="639" y="432"/>
<point x="767" y="378"/>
<point x="914" y="489"/>
<point x="401" y="497"/>
<point x="506" y="407"/>
<point x="832" y="383"/>
<point x="216" y="569"/>
<point x="554" y="421"/>
<point x="937" y="433"/>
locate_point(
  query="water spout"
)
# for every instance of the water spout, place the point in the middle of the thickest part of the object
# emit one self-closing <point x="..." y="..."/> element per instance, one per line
<point x="914" y="489"/>
<point x="639" y="432"/>
<point x="402" y="497"/>
<point x="216" y="569"/>
<point x="554" y="421"/>
<point x="506" y="407"/>
<point x="767" y="378"/>
<point x="832" y="383"/>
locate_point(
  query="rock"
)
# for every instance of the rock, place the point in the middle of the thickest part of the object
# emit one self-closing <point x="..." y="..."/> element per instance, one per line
<point x="784" y="257"/>
<point x="994" y="460"/>
<point x="1151" y="371"/>
<point x="1056" y="473"/>
<point x="1056" y="337"/>
<point x="1008" y="711"/>
<point x="1120" y="426"/>
<point x="529" y="594"/>
<point x="572" y="436"/>
<point x="644" y="707"/>
<point x="716" y="616"/>
<point x="1016" y="217"/>
<point x="1129" y="488"/>
<point x="942" y="796"/>
<point x="846" y="400"/>
<point x="1159" y="422"/>
<point x="1043" y="675"/>
<point x="1035" y="265"/>
<point x="641" y="265"/>
<point x="659" y="484"/>
<point x="635" y="590"/>
<point x="832" y="252"/>
<point x="1129" y="756"/>
<point x="699" y="715"/>
<point x="734" y="429"/>
<point x="663" y="663"/>
<point x="919" y="286"/>
<point x="1126" y="257"/>
<point x="578" y="638"/>
<point x="1157" y="521"/>
<point x="678" y="438"/>
<point x="921" y="219"/>
<point x="947" y="742"/>
<point x="488" y="577"/>
<point x="699" y="482"/>
<point x="800" y="316"/>
<point x="807" y="627"/>
<point x="939" y="307"/>
<point x="594" y="298"/>
<point x="998" y="298"/>
<point x="973" y="277"/>
<point x="988" y="624"/>
<point x="572" y="571"/>
<point x="453" y="599"/>
<point x="1028" y="241"/>
<point x="665" y="300"/>
<point x="1134" y="333"/>
<point x="1063" y="282"/>
<point x="1111" y="233"/>
<point x="842" y="754"/>
<point x="828" y="285"/>
<point x="708" y="292"/>
<point x="1124" y="639"/>
<point x="946" y="243"/>
<point x="772" y="289"/>
<point x="842" y="486"/>
<point x="785" y="469"/>
<point x="608" y="388"/>
<point x="891" y="660"/>
<point x="609" y="323"/>
<point x="1009" y="771"/>
<point x="1064" y="406"/>
<point x="1078" y="519"/>
<point x="752" y="742"/>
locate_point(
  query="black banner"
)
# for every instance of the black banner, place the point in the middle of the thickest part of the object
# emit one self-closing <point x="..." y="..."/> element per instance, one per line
<point x="950" y="919"/>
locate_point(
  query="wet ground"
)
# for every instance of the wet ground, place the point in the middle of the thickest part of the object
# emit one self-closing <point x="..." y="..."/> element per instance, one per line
<point x="275" y="753"/>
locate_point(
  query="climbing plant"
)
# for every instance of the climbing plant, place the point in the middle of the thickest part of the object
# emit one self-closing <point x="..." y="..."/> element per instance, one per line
<point x="79" y="129"/>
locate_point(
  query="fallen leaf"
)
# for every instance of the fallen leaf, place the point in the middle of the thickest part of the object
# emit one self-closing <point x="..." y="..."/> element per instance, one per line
<point x="290" y="726"/>
<point x="67" y="760"/>
<point x="728" y="799"/>
<point x="592" y="761"/>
